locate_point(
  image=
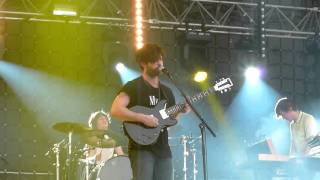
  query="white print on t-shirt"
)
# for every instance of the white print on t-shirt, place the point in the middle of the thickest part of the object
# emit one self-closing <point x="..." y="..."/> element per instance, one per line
<point x="153" y="100"/>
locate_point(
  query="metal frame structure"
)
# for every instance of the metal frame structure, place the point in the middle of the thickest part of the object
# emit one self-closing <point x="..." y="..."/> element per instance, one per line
<point x="281" y="21"/>
<point x="224" y="17"/>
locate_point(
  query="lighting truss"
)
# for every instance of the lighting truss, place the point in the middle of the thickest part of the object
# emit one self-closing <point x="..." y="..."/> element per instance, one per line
<point x="223" y="17"/>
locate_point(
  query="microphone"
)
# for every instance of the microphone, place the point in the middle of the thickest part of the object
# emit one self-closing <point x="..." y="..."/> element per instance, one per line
<point x="163" y="70"/>
<point x="166" y="72"/>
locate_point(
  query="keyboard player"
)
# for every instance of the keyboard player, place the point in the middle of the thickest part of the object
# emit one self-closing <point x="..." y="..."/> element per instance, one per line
<point x="303" y="129"/>
<point x="303" y="126"/>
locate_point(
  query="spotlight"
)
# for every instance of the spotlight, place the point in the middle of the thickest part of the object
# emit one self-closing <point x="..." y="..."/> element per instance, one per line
<point x="139" y="45"/>
<point x="120" y="67"/>
<point x="126" y="73"/>
<point x="138" y="23"/>
<point x="64" y="10"/>
<point x="253" y="74"/>
<point x="200" y="76"/>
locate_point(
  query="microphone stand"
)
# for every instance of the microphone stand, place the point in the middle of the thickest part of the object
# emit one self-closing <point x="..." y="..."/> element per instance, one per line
<point x="202" y="125"/>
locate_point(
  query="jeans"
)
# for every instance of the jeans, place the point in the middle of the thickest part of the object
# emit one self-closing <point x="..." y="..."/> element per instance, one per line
<point x="148" y="166"/>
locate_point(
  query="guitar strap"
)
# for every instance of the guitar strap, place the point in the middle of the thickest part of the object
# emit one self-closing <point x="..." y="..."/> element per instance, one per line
<point x="164" y="93"/>
<point x="139" y="88"/>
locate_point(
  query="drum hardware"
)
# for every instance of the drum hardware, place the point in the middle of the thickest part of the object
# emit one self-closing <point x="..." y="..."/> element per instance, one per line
<point x="4" y="160"/>
<point x="91" y="137"/>
<point x="87" y="136"/>
<point x="116" y="168"/>
<point x="193" y="151"/>
<point x="87" y="162"/>
<point x="69" y="128"/>
<point x="184" y="141"/>
<point x="194" y="160"/>
<point x="189" y="152"/>
<point x="85" y="165"/>
<point x="87" y="169"/>
<point x="56" y="150"/>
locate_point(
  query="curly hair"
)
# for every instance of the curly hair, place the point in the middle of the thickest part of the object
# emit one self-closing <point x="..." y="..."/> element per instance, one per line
<point x="92" y="122"/>
<point x="148" y="53"/>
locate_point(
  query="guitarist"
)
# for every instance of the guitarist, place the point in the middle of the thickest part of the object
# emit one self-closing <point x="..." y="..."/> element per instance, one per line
<point x="151" y="161"/>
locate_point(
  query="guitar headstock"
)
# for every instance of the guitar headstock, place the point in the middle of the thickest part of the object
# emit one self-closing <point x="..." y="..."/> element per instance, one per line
<point x="223" y="85"/>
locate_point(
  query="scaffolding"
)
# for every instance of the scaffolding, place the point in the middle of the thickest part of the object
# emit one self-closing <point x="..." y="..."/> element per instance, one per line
<point x="213" y="16"/>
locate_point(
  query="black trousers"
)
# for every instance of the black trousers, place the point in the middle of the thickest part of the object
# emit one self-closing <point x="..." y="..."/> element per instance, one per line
<point x="148" y="166"/>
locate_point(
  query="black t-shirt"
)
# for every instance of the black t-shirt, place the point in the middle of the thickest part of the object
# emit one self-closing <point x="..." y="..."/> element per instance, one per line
<point x="143" y="94"/>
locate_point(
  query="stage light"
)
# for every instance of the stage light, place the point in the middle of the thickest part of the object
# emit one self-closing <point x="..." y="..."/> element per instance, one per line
<point x="139" y="12"/>
<point x="120" y="67"/>
<point x="252" y="74"/>
<point x="138" y="23"/>
<point x="139" y="38"/>
<point x="139" y="45"/>
<point x="126" y="74"/>
<point x="59" y="12"/>
<point x="200" y="76"/>
<point x="138" y="4"/>
<point x="139" y="26"/>
<point x="64" y="10"/>
<point x="139" y="18"/>
<point x="139" y="32"/>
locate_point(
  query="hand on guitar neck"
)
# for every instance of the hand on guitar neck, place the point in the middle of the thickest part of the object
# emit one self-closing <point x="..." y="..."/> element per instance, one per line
<point x="185" y="109"/>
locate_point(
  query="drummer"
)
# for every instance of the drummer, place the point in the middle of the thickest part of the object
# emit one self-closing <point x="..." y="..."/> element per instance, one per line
<point x="102" y="147"/>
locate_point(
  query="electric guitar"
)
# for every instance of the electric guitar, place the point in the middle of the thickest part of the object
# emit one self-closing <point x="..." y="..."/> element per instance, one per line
<point x="144" y="135"/>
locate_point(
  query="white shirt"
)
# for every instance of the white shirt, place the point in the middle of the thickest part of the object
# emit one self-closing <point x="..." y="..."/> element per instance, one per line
<point x="302" y="131"/>
<point x="103" y="154"/>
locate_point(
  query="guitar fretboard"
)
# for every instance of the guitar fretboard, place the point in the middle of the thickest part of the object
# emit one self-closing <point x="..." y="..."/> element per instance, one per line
<point x="179" y="107"/>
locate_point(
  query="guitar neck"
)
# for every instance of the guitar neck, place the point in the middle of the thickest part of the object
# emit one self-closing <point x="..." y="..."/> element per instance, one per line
<point x="179" y="107"/>
<point x="222" y="86"/>
<point x="175" y="109"/>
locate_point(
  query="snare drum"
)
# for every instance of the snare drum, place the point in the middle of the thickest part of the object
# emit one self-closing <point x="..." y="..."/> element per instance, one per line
<point x="116" y="168"/>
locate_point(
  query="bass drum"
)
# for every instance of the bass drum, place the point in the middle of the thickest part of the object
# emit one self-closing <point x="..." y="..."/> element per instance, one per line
<point x="116" y="168"/>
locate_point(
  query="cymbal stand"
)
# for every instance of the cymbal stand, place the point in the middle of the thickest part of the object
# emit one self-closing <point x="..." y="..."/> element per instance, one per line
<point x="87" y="162"/>
<point x="184" y="140"/>
<point x="193" y="150"/>
<point x="56" y="150"/>
<point x="69" y="156"/>
<point x="194" y="159"/>
<point x="70" y="142"/>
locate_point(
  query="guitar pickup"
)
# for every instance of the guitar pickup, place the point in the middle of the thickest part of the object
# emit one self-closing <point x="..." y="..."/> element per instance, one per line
<point x="163" y="114"/>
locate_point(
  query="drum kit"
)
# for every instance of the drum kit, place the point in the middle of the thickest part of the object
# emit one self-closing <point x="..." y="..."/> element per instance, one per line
<point x="74" y="163"/>
<point x="188" y="168"/>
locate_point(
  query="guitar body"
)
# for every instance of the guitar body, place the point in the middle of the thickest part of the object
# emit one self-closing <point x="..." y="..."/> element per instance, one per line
<point x="144" y="135"/>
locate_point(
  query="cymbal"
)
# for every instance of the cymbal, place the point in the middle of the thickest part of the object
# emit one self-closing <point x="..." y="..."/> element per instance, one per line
<point x="94" y="137"/>
<point x="101" y="133"/>
<point x="98" y="142"/>
<point x="66" y="127"/>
